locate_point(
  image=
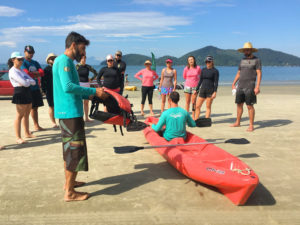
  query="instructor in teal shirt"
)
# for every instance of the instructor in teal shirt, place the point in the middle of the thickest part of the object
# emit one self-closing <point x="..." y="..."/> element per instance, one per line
<point x="175" y="120"/>
<point x="68" y="95"/>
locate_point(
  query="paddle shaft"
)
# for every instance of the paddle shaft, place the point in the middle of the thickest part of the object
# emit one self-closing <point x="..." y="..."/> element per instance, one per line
<point x="187" y="144"/>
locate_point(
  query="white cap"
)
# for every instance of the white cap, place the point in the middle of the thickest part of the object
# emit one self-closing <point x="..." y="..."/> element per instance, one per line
<point x="109" y="57"/>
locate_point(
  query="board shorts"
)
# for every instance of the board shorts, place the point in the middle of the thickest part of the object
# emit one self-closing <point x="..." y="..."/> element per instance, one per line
<point x="206" y="92"/>
<point x="189" y="90"/>
<point x="74" y="144"/>
<point x="166" y="91"/>
<point x="22" y="95"/>
<point x="245" y="95"/>
<point x="37" y="98"/>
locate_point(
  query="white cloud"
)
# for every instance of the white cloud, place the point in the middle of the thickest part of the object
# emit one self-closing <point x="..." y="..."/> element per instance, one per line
<point x="109" y="25"/>
<point x="10" y="44"/>
<point x="9" y="11"/>
<point x="172" y="2"/>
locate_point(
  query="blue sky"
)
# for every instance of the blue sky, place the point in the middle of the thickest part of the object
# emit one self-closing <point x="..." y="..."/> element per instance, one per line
<point x="172" y="27"/>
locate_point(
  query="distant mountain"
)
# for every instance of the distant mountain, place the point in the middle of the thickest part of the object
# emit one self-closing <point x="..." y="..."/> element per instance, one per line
<point x="228" y="57"/>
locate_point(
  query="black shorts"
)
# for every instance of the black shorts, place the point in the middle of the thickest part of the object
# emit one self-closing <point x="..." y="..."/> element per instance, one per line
<point x="22" y="95"/>
<point x="37" y="99"/>
<point x="49" y="97"/>
<point x="206" y="92"/>
<point x="245" y="95"/>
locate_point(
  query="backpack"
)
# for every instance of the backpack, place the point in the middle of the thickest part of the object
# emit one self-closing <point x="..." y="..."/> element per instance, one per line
<point x="119" y="112"/>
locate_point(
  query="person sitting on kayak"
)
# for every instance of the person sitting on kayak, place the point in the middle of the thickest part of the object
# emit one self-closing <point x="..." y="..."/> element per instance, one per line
<point x="175" y="120"/>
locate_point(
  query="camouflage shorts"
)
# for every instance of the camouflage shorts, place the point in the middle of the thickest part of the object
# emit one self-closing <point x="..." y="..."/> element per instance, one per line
<point x="74" y="144"/>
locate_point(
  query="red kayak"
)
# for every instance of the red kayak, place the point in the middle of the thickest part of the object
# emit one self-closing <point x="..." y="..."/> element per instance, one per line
<point x="207" y="164"/>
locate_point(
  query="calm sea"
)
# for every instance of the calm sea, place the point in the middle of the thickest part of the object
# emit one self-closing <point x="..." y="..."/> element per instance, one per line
<point x="272" y="75"/>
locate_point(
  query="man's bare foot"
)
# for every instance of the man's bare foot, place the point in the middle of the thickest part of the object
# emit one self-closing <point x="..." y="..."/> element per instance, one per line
<point x="250" y="129"/>
<point x="29" y="135"/>
<point x="88" y="120"/>
<point x="76" y="196"/>
<point x="142" y="114"/>
<point x="235" y="125"/>
<point x="39" y="129"/>
<point x="77" y="184"/>
<point x="21" y="141"/>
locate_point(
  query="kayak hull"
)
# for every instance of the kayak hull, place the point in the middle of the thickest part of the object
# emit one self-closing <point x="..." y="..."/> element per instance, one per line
<point x="207" y="164"/>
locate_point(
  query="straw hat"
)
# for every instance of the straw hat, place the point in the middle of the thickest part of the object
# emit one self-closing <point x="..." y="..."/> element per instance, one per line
<point x="247" y="45"/>
<point x="148" y="62"/>
<point x="49" y="56"/>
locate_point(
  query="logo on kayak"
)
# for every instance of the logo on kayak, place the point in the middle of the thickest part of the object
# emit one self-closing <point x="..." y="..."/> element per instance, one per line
<point x="215" y="171"/>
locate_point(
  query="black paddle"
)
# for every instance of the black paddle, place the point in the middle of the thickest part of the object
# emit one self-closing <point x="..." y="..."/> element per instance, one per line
<point x="130" y="149"/>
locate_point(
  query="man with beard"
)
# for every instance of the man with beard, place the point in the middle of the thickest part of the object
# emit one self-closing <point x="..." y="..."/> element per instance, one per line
<point x="249" y="77"/>
<point x="120" y="65"/>
<point x="68" y="96"/>
<point x="34" y="70"/>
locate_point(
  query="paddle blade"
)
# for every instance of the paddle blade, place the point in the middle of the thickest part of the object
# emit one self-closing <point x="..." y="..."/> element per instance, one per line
<point x="203" y="122"/>
<point x="238" y="141"/>
<point x="127" y="149"/>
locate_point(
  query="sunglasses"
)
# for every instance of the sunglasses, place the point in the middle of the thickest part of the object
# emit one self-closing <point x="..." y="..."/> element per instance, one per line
<point x="110" y="60"/>
<point x="119" y="55"/>
<point x="20" y="59"/>
<point x="208" y="61"/>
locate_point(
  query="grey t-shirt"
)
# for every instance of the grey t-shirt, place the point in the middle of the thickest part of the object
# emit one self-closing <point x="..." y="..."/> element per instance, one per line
<point x="248" y="73"/>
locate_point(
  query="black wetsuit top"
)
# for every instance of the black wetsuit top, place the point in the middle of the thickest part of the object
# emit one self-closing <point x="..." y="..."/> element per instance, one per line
<point x="121" y="65"/>
<point x="112" y="77"/>
<point x="84" y="71"/>
<point x="209" y="79"/>
<point x="47" y="81"/>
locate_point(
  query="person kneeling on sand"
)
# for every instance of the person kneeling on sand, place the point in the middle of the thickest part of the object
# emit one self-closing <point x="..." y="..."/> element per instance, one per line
<point x="175" y="120"/>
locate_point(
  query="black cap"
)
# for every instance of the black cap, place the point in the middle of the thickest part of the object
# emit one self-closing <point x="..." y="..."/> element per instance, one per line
<point x="209" y="58"/>
<point x="29" y="48"/>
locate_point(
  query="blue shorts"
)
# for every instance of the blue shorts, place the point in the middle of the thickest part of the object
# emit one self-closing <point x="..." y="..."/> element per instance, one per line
<point x="165" y="90"/>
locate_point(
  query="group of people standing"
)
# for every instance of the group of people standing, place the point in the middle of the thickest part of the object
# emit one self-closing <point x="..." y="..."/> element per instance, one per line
<point x="69" y="89"/>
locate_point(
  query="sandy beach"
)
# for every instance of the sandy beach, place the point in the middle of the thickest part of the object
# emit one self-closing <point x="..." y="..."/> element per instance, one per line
<point x="142" y="188"/>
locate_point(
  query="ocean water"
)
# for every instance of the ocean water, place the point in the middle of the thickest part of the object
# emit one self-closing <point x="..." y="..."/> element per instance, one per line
<point x="271" y="75"/>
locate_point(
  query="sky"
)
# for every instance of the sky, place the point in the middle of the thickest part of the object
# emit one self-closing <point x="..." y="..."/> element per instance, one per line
<point x="173" y="27"/>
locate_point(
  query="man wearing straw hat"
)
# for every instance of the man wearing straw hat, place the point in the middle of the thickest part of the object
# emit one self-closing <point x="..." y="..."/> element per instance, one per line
<point x="248" y="78"/>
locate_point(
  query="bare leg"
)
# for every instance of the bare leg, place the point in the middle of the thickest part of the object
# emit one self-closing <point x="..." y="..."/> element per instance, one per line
<point x="86" y="110"/>
<point x="194" y="98"/>
<point x="17" y="124"/>
<point x="151" y="110"/>
<point x="251" y="112"/>
<point x="25" y="120"/>
<point x="35" y="118"/>
<point x="239" y="115"/>
<point x="71" y="194"/>
<point x="51" y="114"/>
<point x="169" y="103"/>
<point x="187" y="101"/>
<point x="208" y="107"/>
<point x="198" y="107"/>
<point x="163" y="102"/>
<point x="142" y="109"/>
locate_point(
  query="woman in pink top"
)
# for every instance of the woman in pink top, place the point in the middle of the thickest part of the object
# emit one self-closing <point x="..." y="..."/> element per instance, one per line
<point x="147" y="76"/>
<point x="191" y="74"/>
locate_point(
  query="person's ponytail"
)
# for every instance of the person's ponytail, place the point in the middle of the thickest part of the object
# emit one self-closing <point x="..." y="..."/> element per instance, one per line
<point x="10" y="63"/>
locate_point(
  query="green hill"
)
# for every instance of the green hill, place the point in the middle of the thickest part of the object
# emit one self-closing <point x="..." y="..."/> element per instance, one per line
<point x="228" y="57"/>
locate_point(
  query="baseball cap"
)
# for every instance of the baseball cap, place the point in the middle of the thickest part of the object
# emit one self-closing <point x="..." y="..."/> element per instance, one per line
<point x="119" y="53"/>
<point x="109" y="57"/>
<point x="29" y="48"/>
<point x="16" y="55"/>
<point x="169" y="60"/>
<point x="209" y="59"/>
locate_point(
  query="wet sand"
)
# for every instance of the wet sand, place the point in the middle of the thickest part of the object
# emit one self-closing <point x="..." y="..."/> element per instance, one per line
<point x="142" y="188"/>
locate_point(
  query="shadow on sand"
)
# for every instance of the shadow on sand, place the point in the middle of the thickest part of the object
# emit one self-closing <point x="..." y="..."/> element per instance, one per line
<point x="125" y="182"/>
<point x="271" y="123"/>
